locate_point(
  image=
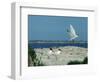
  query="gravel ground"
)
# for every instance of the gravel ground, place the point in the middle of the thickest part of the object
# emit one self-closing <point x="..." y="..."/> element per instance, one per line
<point x="66" y="54"/>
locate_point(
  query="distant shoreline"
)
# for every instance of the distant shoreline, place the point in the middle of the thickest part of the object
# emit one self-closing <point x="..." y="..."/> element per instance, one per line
<point x="57" y="42"/>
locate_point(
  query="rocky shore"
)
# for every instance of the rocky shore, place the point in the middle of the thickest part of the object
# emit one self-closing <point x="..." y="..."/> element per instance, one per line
<point x="60" y="55"/>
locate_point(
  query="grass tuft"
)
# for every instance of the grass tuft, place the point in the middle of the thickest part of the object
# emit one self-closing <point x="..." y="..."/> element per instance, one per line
<point x="85" y="61"/>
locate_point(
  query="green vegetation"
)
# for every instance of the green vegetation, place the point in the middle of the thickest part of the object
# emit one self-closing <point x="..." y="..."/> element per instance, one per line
<point x="85" y="61"/>
<point x="32" y="60"/>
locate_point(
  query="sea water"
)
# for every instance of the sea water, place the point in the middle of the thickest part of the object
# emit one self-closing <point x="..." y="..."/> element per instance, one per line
<point x="49" y="45"/>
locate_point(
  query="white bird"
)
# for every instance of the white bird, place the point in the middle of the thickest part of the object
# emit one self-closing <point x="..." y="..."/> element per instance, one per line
<point x="72" y="33"/>
<point x="58" y="52"/>
<point x="50" y="52"/>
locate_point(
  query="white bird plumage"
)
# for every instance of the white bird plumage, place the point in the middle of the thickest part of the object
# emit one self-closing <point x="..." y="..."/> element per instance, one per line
<point x="54" y="52"/>
<point x="58" y="52"/>
<point x="72" y="33"/>
<point x="50" y="52"/>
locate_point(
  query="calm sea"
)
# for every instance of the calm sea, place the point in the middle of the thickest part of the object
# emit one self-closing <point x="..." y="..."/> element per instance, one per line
<point x="48" y="45"/>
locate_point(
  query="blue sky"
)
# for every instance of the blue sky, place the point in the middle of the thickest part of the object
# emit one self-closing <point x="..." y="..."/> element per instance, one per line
<point x="55" y="27"/>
